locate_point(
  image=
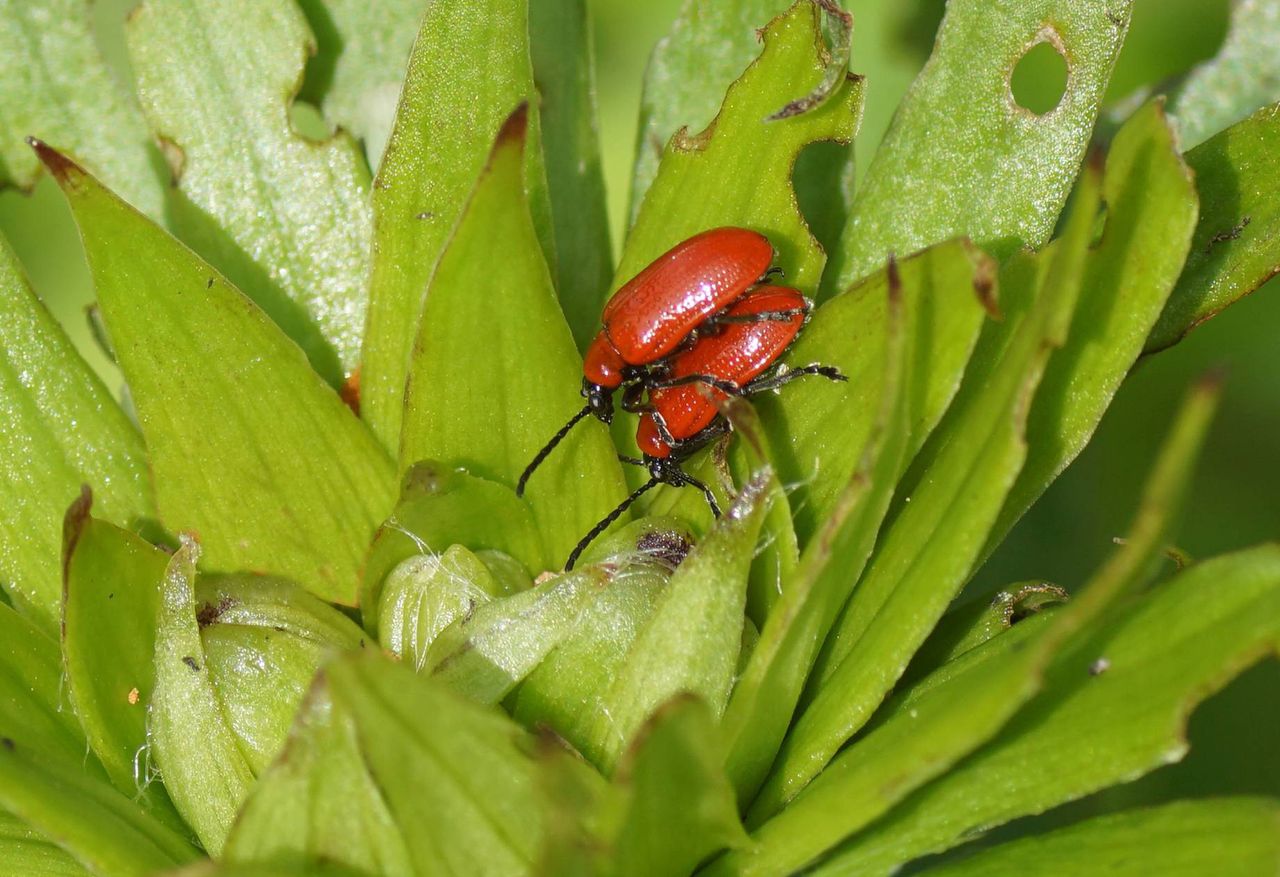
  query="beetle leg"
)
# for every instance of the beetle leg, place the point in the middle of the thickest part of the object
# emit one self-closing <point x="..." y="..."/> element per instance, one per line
<point x="731" y="387"/>
<point x="758" y="317"/>
<point x="785" y="376"/>
<point x="686" y="478"/>
<point x="633" y="399"/>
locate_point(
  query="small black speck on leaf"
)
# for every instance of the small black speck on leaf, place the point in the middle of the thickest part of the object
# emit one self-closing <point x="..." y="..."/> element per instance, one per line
<point x="191" y="662"/>
<point x="7" y="743"/>
<point x="209" y="283"/>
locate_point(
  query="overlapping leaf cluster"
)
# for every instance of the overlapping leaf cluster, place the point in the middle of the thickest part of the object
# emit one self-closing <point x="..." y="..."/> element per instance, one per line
<point x="193" y="643"/>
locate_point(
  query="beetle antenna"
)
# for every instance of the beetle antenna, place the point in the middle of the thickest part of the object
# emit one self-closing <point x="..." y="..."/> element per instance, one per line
<point x="607" y="520"/>
<point x="548" y="448"/>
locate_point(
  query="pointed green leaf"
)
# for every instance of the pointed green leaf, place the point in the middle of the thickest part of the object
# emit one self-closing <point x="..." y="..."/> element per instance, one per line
<point x="738" y="170"/>
<point x="706" y="49"/>
<point x="1131" y="681"/>
<point x="58" y="87"/>
<point x="448" y="508"/>
<point x="956" y="487"/>
<point x="564" y="67"/>
<point x="567" y="691"/>
<point x="1243" y="76"/>
<point x="1151" y="213"/>
<point x="113" y="581"/>
<point x="317" y="803"/>
<point x="1232" y="837"/>
<point x="247" y="445"/>
<point x="192" y="740"/>
<point x="286" y="219"/>
<point x="1234" y="250"/>
<point x="468" y="70"/>
<point x="62" y="429"/>
<point x="455" y="775"/>
<point x="362" y="50"/>
<point x="488" y="653"/>
<point x="1003" y="172"/>
<point x="690" y="642"/>
<point x="681" y="806"/>
<point x="493" y="339"/>
<point x="103" y="830"/>
<point x="938" y="724"/>
<point x="27" y="851"/>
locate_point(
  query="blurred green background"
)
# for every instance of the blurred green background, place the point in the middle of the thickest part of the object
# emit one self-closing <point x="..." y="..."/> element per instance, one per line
<point x="1235" y="501"/>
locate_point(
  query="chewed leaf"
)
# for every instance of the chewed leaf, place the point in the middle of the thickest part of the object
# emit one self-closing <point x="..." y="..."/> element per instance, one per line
<point x="738" y="171"/>
<point x="248" y="447"/>
<point x="62" y="429"/>
<point x="58" y="87"/>
<point x="493" y="339"/>
<point x="1233" y="251"/>
<point x="962" y="157"/>
<point x="468" y="71"/>
<point x="286" y="219"/>
<point x="1244" y="76"/>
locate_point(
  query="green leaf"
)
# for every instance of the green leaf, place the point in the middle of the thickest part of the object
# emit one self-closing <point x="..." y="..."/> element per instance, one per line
<point x="493" y="339"/>
<point x="1131" y="681"/>
<point x="248" y="447"/>
<point x="937" y="724"/>
<point x="738" y="170"/>
<point x="286" y="219"/>
<point x="427" y="593"/>
<point x="1128" y="275"/>
<point x="263" y="641"/>
<point x="681" y="807"/>
<point x="468" y="70"/>
<point x="101" y="829"/>
<point x="1005" y="172"/>
<point x="691" y="641"/>
<point x="447" y="508"/>
<point x="1233" y="837"/>
<point x="359" y="67"/>
<point x="317" y="803"/>
<point x="564" y="67"/>
<point x="1233" y="251"/>
<point x="1243" y="76"/>
<point x="455" y="775"/>
<point x="62" y="429"/>
<point x="194" y="745"/>
<point x="765" y="696"/>
<point x="956" y="487"/>
<point x="567" y="691"/>
<point x="487" y="653"/>
<point x="58" y="87"/>
<point x="112" y="589"/>
<point x="26" y="851"/>
<point x="706" y="49"/>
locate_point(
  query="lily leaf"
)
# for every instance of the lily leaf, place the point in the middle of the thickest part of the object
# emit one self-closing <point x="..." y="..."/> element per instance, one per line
<point x="58" y="87"/>
<point x="680" y="807"/>
<point x="317" y="803"/>
<point x="1243" y="76"/>
<point x="492" y="335"/>
<point x="112" y="590"/>
<point x="361" y="52"/>
<point x="248" y="447"/>
<point x="207" y="775"/>
<point x="468" y="71"/>
<point x="564" y="68"/>
<point x="956" y="487"/>
<point x="1128" y="276"/>
<point x="286" y="219"/>
<point x="62" y="429"/>
<point x="691" y="641"/>
<point x="1233" y="251"/>
<point x="1004" y="172"/>
<point x="455" y="775"/>
<point x="1132" y="680"/>
<point x="1234" y="837"/>
<point x="27" y="851"/>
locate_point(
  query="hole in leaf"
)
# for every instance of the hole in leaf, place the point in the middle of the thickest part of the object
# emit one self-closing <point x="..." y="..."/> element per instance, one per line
<point x="1040" y="79"/>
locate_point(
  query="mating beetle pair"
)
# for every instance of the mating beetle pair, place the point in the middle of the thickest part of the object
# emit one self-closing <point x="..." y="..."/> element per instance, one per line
<point x="702" y="315"/>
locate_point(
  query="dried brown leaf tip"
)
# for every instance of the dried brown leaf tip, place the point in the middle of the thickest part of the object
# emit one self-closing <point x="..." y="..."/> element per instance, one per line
<point x="64" y="170"/>
<point x="514" y="128"/>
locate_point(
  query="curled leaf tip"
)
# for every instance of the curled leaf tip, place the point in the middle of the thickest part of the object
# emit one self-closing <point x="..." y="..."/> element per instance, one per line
<point x="514" y="128"/>
<point x="895" y="280"/>
<point x="984" y="286"/>
<point x="73" y="525"/>
<point x="58" y="164"/>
